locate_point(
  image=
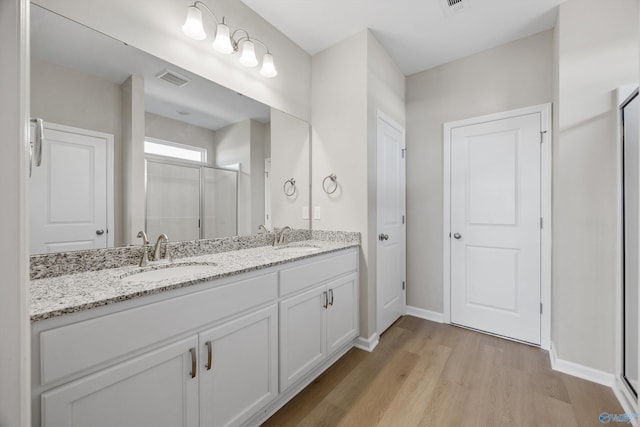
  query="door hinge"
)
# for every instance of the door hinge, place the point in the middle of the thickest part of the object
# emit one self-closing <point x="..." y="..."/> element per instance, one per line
<point x="542" y="132"/>
<point x="403" y="219"/>
<point x="541" y="223"/>
<point x="540" y="308"/>
<point x="198" y="223"/>
<point x="403" y="150"/>
<point x="403" y="285"/>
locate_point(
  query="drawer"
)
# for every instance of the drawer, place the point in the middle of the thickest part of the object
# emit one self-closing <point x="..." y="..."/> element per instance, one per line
<point x="297" y="278"/>
<point x="83" y="345"/>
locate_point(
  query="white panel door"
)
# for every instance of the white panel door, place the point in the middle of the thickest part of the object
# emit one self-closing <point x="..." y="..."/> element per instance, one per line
<point x="68" y="192"/>
<point x="495" y="227"/>
<point x="155" y="389"/>
<point x="391" y="295"/>
<point x="242" y="376"/>
<point x="302" y="334"/>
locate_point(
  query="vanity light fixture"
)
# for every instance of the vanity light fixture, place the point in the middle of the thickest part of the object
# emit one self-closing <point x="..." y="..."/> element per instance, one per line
<point x="226" y="41"/>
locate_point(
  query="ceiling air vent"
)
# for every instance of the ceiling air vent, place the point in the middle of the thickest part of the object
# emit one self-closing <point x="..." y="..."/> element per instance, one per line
<point x="452" y="7"/>
<point x="175" y="78"/>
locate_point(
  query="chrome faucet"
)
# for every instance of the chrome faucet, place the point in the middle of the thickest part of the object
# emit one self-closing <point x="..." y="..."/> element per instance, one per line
<point x="144" y="259"/>
<point x="263" y="229"/>
<point x="156" y="249"/>
<point x="280" y="236"/>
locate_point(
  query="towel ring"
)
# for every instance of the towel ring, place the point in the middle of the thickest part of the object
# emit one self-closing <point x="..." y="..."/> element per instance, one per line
<point x="333" y="179"/>
<point x="292" y="187"/>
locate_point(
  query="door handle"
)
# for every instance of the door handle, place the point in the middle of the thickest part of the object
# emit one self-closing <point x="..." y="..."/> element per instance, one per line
<point x="194" y="365"/>
<point x="382" y="237"/>
<point x="457" y="236"/>
<point x="331" y="295"/>
<point x="100" y="232"/>
<point x="326" y="300"/>
<point x="209" y="355"/>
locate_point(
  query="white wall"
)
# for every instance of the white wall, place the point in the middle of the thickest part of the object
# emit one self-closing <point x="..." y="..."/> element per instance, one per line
<point x="15" y="393"/>
<point x="243" y="143"/>
<point x="155" y="27"/>
<point x="66" y="96"/>
<point x="289" y="159"/>
<point x="351" y="81"/>
<point x="597" y="46"/>
<point x="514" y="75"/>
<point x="183" y="133"/>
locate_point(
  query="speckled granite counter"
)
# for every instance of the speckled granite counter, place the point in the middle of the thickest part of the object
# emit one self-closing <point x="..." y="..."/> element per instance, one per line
<point x="56" y="296"/>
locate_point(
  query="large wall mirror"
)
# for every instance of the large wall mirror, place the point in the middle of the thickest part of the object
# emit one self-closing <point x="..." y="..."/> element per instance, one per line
<point x="131" y="141"/>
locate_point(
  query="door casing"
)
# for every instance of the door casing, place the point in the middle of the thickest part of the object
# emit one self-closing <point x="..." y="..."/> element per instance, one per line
<point x="545" y="203"/>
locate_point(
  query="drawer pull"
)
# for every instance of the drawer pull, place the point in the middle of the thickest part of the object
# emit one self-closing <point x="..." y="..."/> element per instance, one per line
<point x="209" y="355"/>
<point x="194" y="365"/>
<point x="331" y="294"/>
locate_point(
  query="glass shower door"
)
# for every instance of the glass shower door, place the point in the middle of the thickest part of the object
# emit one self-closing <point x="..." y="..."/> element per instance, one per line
<point x="173" y="201"/>
<point x="220" y="203"/>
<point x="631" y="233"/>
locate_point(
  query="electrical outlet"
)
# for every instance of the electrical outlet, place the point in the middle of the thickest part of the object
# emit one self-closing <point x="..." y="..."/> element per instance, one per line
<point x="305" y="212"/>
<point x="316" y="212"/>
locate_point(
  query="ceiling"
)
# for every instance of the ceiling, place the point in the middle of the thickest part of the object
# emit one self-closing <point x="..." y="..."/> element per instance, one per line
<point x="418" y="34"/>
<point x="201" y="102"/>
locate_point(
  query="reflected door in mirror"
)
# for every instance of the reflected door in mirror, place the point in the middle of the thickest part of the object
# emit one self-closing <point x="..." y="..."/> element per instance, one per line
<point x="70" y="201"/>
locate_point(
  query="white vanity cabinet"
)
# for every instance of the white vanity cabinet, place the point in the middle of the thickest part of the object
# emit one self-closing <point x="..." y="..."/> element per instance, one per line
<point x="240" y="368"/>
<point x="156" y="389"/>
<point x="216" y="354"/>
<point x="320" y="317"/>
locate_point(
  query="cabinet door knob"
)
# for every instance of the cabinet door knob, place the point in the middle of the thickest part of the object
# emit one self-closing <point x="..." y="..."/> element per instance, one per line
<point x="209" y="355"/>
<point x="194" y="365"/>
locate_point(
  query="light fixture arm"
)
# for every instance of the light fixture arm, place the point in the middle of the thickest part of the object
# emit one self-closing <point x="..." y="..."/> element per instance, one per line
<point x="236" y="43"/>
<point x="198" y="2"/>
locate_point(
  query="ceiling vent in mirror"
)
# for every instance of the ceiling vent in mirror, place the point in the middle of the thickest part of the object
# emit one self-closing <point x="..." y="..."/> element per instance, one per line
<point x="453" y="7"/>
<point x="173" y="77"/>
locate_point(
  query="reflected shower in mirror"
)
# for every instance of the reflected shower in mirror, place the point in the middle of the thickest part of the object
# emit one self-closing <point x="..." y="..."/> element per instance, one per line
<point x="132" y="142"/>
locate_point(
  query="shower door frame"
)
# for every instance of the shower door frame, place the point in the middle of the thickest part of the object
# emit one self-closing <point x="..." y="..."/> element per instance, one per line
<point x="194" y="165"/>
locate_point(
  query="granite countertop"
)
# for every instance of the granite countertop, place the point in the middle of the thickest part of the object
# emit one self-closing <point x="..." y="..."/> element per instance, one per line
<point x="56" y="296"/>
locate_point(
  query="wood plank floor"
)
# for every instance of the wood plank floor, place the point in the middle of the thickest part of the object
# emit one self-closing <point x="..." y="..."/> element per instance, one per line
<point x="429" y="374"/>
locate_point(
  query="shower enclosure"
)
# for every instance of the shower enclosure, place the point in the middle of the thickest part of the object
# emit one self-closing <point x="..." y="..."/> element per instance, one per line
<point x="190" y="201"/>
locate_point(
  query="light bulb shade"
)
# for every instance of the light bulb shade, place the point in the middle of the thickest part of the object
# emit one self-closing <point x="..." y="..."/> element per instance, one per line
<point x="193" y="25"/>
<point x="248" y="56"/>
<point x="268" y="68"/>
<point x="222" y="42"/>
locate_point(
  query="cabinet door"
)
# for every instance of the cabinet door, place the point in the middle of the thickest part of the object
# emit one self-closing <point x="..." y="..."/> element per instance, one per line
<point x="239" y="365"/>
<point x="155" y="389"/>
<point x="302" y="334"/>
<point x="342" y="313"/>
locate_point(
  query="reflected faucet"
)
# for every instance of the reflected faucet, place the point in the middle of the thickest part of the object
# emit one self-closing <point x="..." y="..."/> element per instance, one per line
<point x="144" y="259"/>
<point x="280" y="236"/>
<point x="263" y="229"/>
<point x="156" y="249"/>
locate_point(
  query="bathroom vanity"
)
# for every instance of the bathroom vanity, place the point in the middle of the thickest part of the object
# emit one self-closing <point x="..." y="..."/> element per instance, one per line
<point x="222" y="339"/>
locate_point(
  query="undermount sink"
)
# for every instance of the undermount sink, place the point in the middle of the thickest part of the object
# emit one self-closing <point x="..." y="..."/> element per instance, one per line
<point x="296" y="250"/>
<point x="169" y="272"/>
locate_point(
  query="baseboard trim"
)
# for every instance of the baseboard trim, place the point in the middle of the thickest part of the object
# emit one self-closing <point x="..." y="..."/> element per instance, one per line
<point x="368" y="344"/>
<point x="580" y="371"/>
<point x="434" y="316"/>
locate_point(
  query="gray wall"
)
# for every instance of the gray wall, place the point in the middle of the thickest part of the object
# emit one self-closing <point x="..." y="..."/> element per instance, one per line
<point x="351" y="81"/>
<point x="511" y="76"/>
<point x="15" y="362"/>
<point x="597" y="51"/>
